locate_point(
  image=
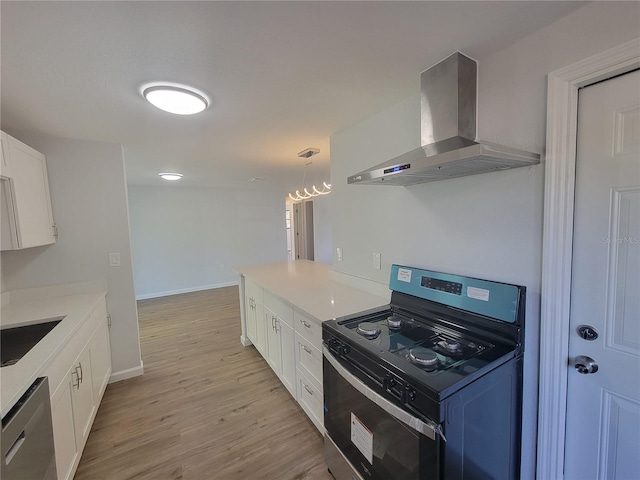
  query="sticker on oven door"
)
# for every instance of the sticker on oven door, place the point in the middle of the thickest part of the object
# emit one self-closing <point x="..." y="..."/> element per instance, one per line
<point x="478" y="293"/>
<point x="362" y="438"/>
<point x="404" y="275"/>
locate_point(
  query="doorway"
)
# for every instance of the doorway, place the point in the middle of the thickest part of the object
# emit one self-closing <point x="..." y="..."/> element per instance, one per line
<point x="555" y="328"/>
<point x="300" y="233"/>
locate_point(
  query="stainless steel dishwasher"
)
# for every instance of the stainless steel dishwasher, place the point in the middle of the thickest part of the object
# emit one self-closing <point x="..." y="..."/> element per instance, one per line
<point x="27" y="437"/>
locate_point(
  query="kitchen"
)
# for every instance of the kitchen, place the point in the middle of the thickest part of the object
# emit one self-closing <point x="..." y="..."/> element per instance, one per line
<point x="491" y="228"/>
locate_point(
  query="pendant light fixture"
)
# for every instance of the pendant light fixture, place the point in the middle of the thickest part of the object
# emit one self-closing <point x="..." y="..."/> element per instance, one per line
<point x="306" y="194"/>
<point x="177" y="99"/>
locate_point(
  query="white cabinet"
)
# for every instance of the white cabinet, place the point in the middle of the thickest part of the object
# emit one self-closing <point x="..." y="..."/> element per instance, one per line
<point x="308" y="344"/>
<point x="308" y="358"/>
<point x="288" y="358"/>
<point x="64" y="433"/>
<point x="100" y="359"/>
<point x="26" y="203"/>
<point x="280" y="341"/>
<point x="82" y="397"/>
<point x="274" y="353"/>
<point x="254" y="316"/>
<point x="78" y="376"/>
<point x="311" y="400"/>
<point x="290" y="342"/>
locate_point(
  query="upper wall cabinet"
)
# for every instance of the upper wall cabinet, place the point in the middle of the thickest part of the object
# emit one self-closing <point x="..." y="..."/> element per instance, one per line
<point x="27" y="219"/>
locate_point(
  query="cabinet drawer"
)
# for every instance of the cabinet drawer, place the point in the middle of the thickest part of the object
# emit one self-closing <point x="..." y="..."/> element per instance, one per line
<point x="282" y="309"/>
<point x="310" y="399"/>
<point x="309" y="328"/>
<point x="309" y="358"/>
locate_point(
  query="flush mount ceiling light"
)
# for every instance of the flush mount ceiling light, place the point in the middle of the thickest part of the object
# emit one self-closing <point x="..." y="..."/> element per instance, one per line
<point x="175" y="99"/>
<point x="170" y="176"/>
<point x="306" y="194"/>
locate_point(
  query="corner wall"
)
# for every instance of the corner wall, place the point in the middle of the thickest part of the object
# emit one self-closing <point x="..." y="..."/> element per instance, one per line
<point x="487" y="226"/>
<point x="89" y="201"/>
<point x="187" y="239"/>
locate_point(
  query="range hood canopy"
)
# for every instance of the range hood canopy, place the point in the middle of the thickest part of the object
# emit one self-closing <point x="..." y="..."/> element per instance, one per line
<point x="448" y="129"/>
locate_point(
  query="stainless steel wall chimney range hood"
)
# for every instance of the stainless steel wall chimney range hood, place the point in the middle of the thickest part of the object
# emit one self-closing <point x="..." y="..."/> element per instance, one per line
<point x="448" y="127"/>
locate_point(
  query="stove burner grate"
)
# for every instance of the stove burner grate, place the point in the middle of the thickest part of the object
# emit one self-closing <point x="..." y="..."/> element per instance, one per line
<point x="394" y="322"/>
<point x="450" y="345"/>
<point x="424" y="357"/>
<point x="368" y="329"/>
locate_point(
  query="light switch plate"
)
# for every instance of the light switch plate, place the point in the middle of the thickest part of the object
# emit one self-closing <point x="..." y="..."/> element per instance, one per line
<point x="339" y="253"/>
<point x="114" y="259"/>
<point x="376" y="261"/>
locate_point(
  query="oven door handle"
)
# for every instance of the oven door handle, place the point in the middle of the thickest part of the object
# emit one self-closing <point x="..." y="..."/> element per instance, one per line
<point x="429" y="429"/>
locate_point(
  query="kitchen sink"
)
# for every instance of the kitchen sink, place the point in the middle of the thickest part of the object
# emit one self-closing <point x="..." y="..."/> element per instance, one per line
<point x="15" y="342"/>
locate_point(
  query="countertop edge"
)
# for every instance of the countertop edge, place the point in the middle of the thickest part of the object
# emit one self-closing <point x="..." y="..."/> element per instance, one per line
<point x="21" y="376"/>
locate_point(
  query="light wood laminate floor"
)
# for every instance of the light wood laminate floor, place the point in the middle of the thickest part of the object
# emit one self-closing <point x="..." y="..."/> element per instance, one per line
<point x="205" y="408"/>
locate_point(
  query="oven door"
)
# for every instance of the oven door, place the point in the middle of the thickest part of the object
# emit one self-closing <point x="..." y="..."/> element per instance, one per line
<point x="378" y="438"/>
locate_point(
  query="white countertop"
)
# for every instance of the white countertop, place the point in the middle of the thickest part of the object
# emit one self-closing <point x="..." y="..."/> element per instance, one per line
<point x="308" y="286"/>
<point x="36" y="306"/>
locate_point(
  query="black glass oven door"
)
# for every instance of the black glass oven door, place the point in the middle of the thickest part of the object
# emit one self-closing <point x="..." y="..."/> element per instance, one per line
<point x="365" y="429"/>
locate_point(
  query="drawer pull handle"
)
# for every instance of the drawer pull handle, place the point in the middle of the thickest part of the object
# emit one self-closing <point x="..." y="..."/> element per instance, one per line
<point x="81" y="375"/>
<point x="75" y="372"/>
<point x="306" y="349"/>
<point x="309" y="391"/>
<point x="308" y="325"/>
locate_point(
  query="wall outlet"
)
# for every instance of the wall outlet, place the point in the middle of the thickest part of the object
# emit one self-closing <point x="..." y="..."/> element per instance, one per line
<point x="376" y="261"/>
<point x="114" y="259"/>
<point x="339" y="253"/>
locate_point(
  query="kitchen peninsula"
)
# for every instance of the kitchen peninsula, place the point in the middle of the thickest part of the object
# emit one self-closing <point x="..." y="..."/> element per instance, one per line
<point x="282" y="308"/>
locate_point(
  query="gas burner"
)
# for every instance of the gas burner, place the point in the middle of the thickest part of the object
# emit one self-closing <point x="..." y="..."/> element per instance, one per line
<point x="450" y="345"/>
<point x="394" y="322"/>
<point x="424" y="357"/>
<point x="368" y="329"/>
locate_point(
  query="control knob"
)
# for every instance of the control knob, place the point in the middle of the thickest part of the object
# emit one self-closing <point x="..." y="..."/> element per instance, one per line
<point x="409" y="394"/>
<point x="388" y="382"/>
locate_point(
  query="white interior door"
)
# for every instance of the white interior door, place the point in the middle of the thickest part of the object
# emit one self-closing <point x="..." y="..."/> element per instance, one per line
<point x="603" y="405"/>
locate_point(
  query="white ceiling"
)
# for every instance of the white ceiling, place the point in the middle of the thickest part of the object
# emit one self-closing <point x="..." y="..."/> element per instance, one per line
<point x="282" y="76"/>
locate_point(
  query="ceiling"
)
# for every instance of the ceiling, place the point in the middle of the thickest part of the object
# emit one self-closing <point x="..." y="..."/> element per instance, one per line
<point x="282" y="76"/>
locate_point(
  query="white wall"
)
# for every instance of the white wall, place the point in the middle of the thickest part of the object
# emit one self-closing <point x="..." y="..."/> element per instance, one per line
<point x="490" y="225"/>
<point x="89" y="200"/>
<point x="187" y="239"/>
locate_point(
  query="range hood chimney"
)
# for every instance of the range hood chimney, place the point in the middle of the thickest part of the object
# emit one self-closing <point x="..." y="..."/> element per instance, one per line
<point x="448" y="129"/>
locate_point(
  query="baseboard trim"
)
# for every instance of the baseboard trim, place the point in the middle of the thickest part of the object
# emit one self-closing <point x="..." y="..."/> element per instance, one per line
<point x="128" y="373"/>
<point x="186" y="290"/>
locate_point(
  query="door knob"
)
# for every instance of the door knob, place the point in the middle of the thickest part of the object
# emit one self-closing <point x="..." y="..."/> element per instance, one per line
<point x="586" y="364"/>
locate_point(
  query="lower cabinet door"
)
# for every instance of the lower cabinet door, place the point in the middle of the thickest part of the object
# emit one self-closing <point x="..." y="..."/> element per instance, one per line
<point x="100" y="360"/>
<point x="64" y="435"/>
<point x="261" y="328"/>
<point x="82" y="397"/>
<point x="273" y="342"/>
<point x="250" y="318"/>
<point x="288" y="358"/>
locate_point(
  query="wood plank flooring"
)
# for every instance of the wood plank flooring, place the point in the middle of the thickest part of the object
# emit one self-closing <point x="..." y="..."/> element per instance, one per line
<point x="205" y="408"/>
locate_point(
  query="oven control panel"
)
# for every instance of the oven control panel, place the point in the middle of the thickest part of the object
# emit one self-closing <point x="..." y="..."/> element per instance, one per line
<point x="442" y="285"/>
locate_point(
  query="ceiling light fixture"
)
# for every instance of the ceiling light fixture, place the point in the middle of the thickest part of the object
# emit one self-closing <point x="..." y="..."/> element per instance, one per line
<point x="175" y="99"/>
<point x="306" y="194"/>
<point x="171" y="176"/>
